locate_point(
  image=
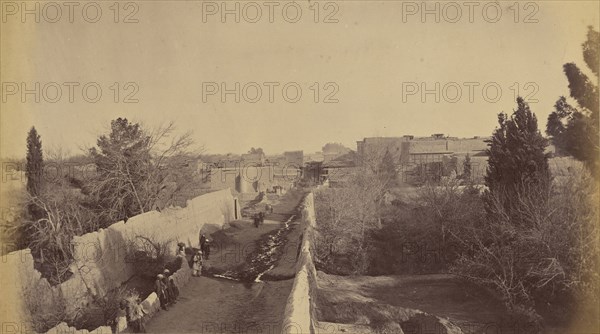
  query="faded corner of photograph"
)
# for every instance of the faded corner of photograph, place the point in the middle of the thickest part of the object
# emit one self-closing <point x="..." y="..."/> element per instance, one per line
<point x="308" y="166"/>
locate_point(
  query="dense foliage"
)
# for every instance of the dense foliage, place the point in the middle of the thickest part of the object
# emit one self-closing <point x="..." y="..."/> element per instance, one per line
<point x="575" y="131"/>
<point x="531" y="238"/>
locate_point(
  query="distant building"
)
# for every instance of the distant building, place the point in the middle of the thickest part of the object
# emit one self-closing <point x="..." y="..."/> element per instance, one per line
<point x="247" y="178"/>
<point x="418" y="156"/>
<point x="327" y="157"/>
<point x="338" y="171"/>
<point x="311" y="157"/>
<point x="253" y="158"/>
<point x="294" y="158"/>
<point x="432" y="147"/>
<point x="332" y="151"/>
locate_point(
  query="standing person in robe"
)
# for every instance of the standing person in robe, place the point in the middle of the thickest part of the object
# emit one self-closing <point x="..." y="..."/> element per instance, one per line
<point x="170" y="293"/>
<point x="197" y="264"/>
<point x="206" y="250"/>
<point x="256" y="220"/>
<point x="174" y="287"/>
<point x="202" y="241"/>
<point x="159" y="288"/>
<point x="181" y="249"/>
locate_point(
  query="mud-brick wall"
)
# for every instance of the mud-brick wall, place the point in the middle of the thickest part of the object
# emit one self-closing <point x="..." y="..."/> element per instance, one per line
<point x="100" y="262"/>
<point x="101" y="256"/>
<point x="299" y="316"/>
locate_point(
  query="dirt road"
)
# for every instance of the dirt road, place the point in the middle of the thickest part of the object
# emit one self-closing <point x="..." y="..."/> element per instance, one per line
<point x="258" y="266"/>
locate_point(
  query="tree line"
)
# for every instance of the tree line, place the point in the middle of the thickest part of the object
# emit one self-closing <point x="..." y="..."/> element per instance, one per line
<point x="529" y="236"/>
<point x="137" y="169"/>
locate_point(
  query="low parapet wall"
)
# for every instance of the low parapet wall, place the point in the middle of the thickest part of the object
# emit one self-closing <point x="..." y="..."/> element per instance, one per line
<point x="299" y="316"/>
<point x="100" y="262"/>
<point x="150" y="305"/>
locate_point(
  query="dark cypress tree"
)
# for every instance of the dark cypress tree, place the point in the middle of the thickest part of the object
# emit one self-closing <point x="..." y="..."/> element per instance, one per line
<point x="34" y="172"/>
<point x="556" y="127"/>
<point x="576" y="131"/>
<point x="467" y="168"/>
<point x="517" y="162"/>
<point x="35" y="163"/>
<point x="387" y="170"/>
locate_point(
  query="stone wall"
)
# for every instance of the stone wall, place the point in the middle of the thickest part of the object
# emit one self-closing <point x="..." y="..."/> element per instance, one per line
<point x="100" y="262"/>
<point x="299" y="316"/>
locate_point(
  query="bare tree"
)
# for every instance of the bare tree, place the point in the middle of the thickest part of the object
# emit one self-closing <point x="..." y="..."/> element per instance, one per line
<point x="554" y="250"/>
<point x="345" y="216"/>
<point x="135" y="168"/>
<point x="50" y="236"/>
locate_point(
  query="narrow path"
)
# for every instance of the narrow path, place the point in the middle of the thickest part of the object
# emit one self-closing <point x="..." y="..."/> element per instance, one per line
<point x="250" y="299"/>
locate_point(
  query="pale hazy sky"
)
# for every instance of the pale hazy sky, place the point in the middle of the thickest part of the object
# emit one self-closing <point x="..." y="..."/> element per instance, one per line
<point x="370" y="54"/>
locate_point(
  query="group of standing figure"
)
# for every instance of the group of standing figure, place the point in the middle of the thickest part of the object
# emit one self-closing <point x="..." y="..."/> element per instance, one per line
<point x="165" y="288"/>
<point x="167" y="292"/>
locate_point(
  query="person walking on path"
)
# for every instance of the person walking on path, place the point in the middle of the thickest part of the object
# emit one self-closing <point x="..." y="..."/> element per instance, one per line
<point x="197" y="264"/>
<point x="256" y="220"/>
<point x="261" y="217"/>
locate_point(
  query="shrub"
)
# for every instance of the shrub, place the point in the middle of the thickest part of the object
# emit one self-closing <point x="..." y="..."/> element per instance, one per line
<point x="49" y="237"/>
<point x="103" y="311"/>
<point x="549" y="257"/>
<point x="148" y="256"/>
<point x="417" y="236"/>
<point x="345" y="216"/>
<point x="111" y="303"/>
<point x="45" y="309"/>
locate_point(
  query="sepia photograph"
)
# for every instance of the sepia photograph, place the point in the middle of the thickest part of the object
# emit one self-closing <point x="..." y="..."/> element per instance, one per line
<point x="300" y="166"/>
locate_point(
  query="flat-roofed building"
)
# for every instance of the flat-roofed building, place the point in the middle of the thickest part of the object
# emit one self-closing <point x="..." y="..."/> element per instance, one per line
<point x="434" y="154"/>
<point x="294" y="158"/>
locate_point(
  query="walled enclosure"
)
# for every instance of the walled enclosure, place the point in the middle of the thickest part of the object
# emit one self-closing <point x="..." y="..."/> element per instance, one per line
<point x="252" y="179"/>
<point x="100" y="257"/>
<point x="299" y="316"/>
